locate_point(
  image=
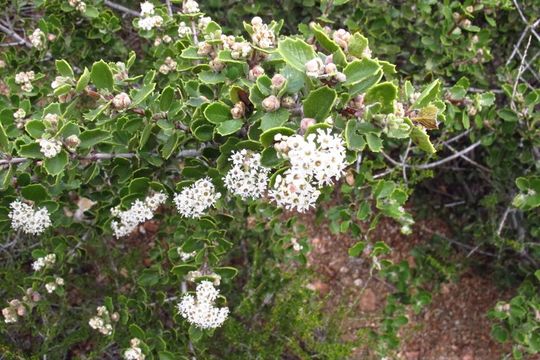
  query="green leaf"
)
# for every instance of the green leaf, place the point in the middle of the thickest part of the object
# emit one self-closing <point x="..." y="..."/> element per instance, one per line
<point x="183" y="269"/>
<point x="357" y="249"/>
<point x="217" y="113"/>
<point x="421" y="138"/>
<point x="357" y="44"/>
<point x="170" y="146"/>
<point x="229" y="127"/>
<point x="319" y="103"/>
<point x="63" y="67"/>
<point x="93" y="137"/>
<point x="54" y="166"/>
<point x="31" y="151"/>
<point x="143" y="93"/>
<point x="353" y="140"/>
<point x="226" y="272"/>
<point x="35" y="128"/>
<point x="83" y="81"/>
<point x="166" y="98"/>
<point x="137" y="332"/>
<point x="274" y="119"/>
<point x="4" y="141"/>
<point x="102" y="76"/>
<point x="359" y="70"/>
<point x="430" y="93"/>
<point x="61" y="90"/>
<point x="296" y="53"/>
<point x="211" y="77"/>
<point x="34" y="192"/>
<point x="499" y="333"/>
<point x="149" y="277"/>
<point x="374" y="142"/>
<point x="166" y="355"/>
<point x="267" y="137"/>
<point x="508" y="115"/>
<point x="384" y="94"/>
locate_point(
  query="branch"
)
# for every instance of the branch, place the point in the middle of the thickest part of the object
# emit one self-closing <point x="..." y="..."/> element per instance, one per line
<point x="16" y="36"/>
<point x="435" y="163"/>
<point x="169" y="7"/>
<point x="121" y="8"/>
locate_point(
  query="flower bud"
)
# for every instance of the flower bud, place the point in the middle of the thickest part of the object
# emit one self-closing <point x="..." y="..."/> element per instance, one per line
<point x="341" y="77"/>
<point x="278" y="81"/>
<point x="256" y="21"/>
<point x="238" y="110"/>
<point x="72" y="142"/>
<point x="469" y="9"/>
<point x="121" y="101"/>
<point x="305" y="123"/>
<point x="216" y="65"/>
<point x="271" y="103"/>
<point x="341" y="37"/>
<point x="465" y="23"/>
<point x="314" y="67"/>
<point x="115" y="316"/>
<point x="288" y="102"/>
<point x="51" y="37"/>
<point x="51" y="120"/>
<point x="255" y="72"/>
<point x="330" y="68"/>
<point x="21" y="310"/>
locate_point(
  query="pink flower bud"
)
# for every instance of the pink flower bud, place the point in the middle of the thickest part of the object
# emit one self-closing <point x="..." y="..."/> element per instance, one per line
<point x="121" y="101"/>
<point x="271" y="103"/>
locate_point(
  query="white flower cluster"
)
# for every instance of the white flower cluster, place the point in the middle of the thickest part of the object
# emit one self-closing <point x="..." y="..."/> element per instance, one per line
<point x="148" y="19"/>
<point x="342" y="38"/>
<point x="239" y="50"/>
<point x="247" y="178"/>
<point x="59" y="81"/>
<point x="44" y="262"/>
<point x="25" y="79"/>
<point x="168" y="66"/>
<point x="192" y="201"/>
<point x="18" y="308"/>
<point x="316" y="161"/>
<point x="139" y="212"/>
<point x="37" y="39"/>
<point x="203" y="22"/>
<point x="166" y="39"/>
<point x="24" y="218"/>
<point x="185" y="256"/>
<point x="317" y="69"/>
<point x="19" y="117"/>
<point x="262" y="36"/>
<point x="51" y="286"/>
<point x="134" y="352"/>
<point x="190" y="7"/>
<point x="193" y="276"/>
<point x="102" y="322"/>
<point x="49" y="147"/>
<point x="296" y="245"/>
<point x="184" y="30"/>
<point x="78" y="4"/>
<point x="200" y="310"/>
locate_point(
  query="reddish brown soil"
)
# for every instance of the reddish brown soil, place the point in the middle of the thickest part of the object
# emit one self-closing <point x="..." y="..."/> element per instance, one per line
<point x="453" y="326"/>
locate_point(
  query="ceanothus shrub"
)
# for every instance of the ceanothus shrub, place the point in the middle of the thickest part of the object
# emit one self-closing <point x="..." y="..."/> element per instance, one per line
<point x="205" y="132"/>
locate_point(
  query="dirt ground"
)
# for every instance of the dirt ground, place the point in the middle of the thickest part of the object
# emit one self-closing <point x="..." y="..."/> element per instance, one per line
<point x="453" y="327"/>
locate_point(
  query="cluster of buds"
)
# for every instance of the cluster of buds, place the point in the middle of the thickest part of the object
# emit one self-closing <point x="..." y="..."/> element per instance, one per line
<point x="342" y="37"/>
<point x="168" y="66"/>
<point x="25" y="79"/>
<point x="59" y="81"/>
<point x="19" y="117"/>
<point x="37" y="39"/>
<point x="53" y="285"/>
<point x="271" y="103"/>
<point x="262" y="36"/>
<point x="103" y="321"/>
<point x="148" y="19"/>
<point x="316" y="68"/>
<point x="184" y="30"/>
<point x="134" y="352"/>
<point x="165" y="39"/>
<point x="49" y="147"/>
<point x="18" y="308"/>
<point x="238" y="110"/>
<point x="72" y="142"/>
<point x="190" y="7"/>
<point x="78" y="5"/>
<point x="255" y="72"/>
<point x="44" y="262"/>
<point x="185" y="256"/>
<point x="296" y="245"/>
<point x="122" y="73"/>
<point x="239" y="49"/>
<point x="203" y="22"/>
<point x="121" y="101"/>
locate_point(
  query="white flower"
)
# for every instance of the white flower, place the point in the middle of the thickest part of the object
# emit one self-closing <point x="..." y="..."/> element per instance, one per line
<point x="247" y="178"/>
<point x="19" y="114"/>
<point x="44" y="262"/>
<point x="192" y="201"/>
<point x="134" y="352"/>
<point x="184" y="256"/>
<point x="147" y="8"/>
<point x="342" y="37"/>
<point x="25" y="80"/>
<point x="316" y="161"/>
<point x="50" y="287"/>
<point x="203" y="22"/>
<point x="190" y="7"/>
<point x="24" y="218"/>
<point x="168" y="66"/>
<point x="139" y="212"/>
<point x="150" y="22"/>
<point x="271" y="103"/>
<point x="10" y="315"/>
<point x="49" y="147"/>
<point x="37" y="38"/>
<point x="59" y="281"/>
<point x="184" y="30"/>
<point x="200" y="310"/>
<point x="101" y="322"/>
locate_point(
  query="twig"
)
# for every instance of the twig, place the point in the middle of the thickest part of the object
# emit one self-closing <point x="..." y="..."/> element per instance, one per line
<point x="520" y="71"/>
<point x="503" y="220"/>
<point x="468" y="159"/>
<point x="403" y="159"/>
<point x="435" y="163"/>
<point x="121" y="8"/>
<point x="169" y="7"/>
<point x="14" y="35"/>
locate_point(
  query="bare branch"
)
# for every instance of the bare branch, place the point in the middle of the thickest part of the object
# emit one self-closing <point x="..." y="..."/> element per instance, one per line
<point x="14" y="35"/>
<point x="121" y="8"/>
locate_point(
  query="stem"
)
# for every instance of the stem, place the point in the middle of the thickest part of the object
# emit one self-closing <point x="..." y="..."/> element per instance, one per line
<point x="121" y="8"/>
<point x="14" y="35"/>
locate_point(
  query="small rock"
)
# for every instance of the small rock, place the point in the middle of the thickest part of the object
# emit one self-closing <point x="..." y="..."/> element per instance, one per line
<point x="368" y="302"/>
